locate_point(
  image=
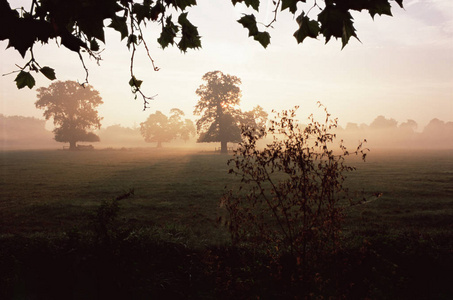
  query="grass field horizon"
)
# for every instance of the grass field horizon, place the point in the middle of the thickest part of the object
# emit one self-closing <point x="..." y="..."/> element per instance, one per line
<point x="48" y="193"/>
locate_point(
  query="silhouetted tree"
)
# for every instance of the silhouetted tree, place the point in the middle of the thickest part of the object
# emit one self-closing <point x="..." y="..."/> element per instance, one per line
<point x="72" y="108"/>
<point x="160" y="128"/>
<point x="81" y="25"/>
<point x="220" y="120"/>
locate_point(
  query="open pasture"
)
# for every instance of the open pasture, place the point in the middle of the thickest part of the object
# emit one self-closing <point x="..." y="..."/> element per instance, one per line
<point x="54" y="190"/>
<point x="398" y="245"/>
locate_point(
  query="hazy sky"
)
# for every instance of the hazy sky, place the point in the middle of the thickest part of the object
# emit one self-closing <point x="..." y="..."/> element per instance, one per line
<point x="402" y="68"/>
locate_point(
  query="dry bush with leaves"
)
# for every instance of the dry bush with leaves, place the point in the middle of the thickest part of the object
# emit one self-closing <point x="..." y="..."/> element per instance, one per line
<point x="291" y="198"/>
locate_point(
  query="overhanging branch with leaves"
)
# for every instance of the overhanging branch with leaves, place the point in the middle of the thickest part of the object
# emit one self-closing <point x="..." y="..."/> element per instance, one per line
<point x="79" y="26"/>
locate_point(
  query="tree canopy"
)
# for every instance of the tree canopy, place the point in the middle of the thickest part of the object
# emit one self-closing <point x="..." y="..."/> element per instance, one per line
<point x="80" y="26"/>
<point x="73" y="109"/>
<point x="221" y="118"/>
<point x="159" y="128"/>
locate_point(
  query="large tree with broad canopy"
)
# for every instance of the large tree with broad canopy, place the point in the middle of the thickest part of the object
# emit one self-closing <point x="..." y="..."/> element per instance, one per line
<point x="73" y="109"/>
<point x="221" y="118"/>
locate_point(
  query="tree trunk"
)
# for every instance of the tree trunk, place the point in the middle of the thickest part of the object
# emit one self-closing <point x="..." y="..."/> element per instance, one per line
<point x="159" y="144"/>
<point x="223" y="141"/>
<point x="72" y="145"/>
<point x="223" y="147"/>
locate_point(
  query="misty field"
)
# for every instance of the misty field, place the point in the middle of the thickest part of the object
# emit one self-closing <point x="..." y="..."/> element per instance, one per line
<point x="50" y="198"/>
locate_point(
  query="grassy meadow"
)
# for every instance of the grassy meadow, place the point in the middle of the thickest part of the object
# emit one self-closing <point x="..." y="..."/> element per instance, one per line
<point x="55" y="190"/>
<point x="168" y="243"/>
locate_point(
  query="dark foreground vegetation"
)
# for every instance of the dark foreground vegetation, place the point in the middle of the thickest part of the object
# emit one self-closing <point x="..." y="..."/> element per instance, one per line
<point x="139" y="224"/>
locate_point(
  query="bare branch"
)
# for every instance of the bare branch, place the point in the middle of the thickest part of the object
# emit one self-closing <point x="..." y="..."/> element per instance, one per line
<point x="86" y="70"/>
<point x="155" y="68"/>
<point x="277" y="5"/>
<point x="135" y="84"/>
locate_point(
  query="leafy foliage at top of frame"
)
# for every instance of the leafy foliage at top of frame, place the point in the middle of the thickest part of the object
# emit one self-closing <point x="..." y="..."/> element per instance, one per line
<point x="80" y="26"/>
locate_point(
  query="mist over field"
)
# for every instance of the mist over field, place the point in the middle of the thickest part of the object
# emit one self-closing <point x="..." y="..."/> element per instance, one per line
<point x="17" y="132"/>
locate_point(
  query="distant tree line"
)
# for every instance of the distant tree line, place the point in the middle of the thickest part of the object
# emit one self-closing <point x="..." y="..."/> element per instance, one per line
<point x="73" y="109"/>
<point x="29" y="132"/>
<point x="24" y="132"/>
<point x="385" y="132"/>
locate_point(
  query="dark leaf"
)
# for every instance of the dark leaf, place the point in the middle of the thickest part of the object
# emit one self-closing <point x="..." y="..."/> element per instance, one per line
<point x="94" y="45"/>
<point x="291" y="4"/>
<point x="249" y="22"/>
<point x="120" y="25"/>
<point x="380" y="7"/>
<point x="132" y="39"/>
<point x="348" y="31"/>
<point x="23" y="33"/>
<point x="48" y="72"/>
<point x="168" y="33"/>
<point x="253" y="3"/>
<point x="71" y="42"/>
<point x="141" y="12"/>
<point x="24" y="79"/>
<point x="190" y="37"/>
<point x="307" y="28"/>
<point x="93" y="28"/>
<point x="264" y="38"/>
<point x="135" y="83"/>
<point x="181" y="4"/>
<point x="157" y="10"/>
<point x="336" y="22"/>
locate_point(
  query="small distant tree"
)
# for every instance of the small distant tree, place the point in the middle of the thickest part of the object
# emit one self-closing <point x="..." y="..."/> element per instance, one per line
<point x="221" y="118"/>
<point x="159" y="128"/>
<point x="187" y="130"/>
<point x="255" y="120"/>
<point x="73" y="109"/>
<point x="289" y="204"/>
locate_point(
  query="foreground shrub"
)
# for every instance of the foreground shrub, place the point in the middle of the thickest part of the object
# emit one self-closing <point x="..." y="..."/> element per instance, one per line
<point x="290" y="204"/>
